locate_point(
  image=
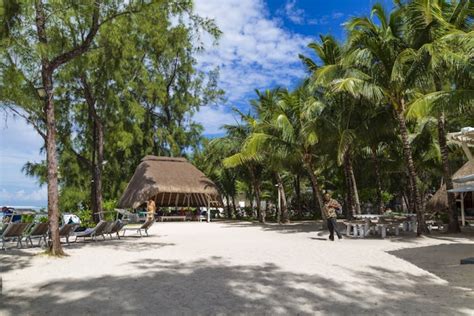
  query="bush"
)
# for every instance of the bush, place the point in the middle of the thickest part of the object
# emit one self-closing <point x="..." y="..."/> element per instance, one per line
<point x="27" y="218"/>
<point x="86" y="218"/>
<point x="109" y="205"/>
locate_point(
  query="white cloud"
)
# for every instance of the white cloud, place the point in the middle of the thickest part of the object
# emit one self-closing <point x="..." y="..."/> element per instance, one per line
<point x="212" y="118"/>
<point x="38" y="195"/>
<point x="326" y="19"/>
<point x="254" y="52"/>
<point x="19" y="143"/>
<point x="293" y="13"/>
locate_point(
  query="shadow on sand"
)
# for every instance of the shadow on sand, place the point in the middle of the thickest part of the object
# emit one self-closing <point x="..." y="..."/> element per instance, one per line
<point x="213" y="286"/>
<point x="15" y="259"/>
<point x="443" y="261"/>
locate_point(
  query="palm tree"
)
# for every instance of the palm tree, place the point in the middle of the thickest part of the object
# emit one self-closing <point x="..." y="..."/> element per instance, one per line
<point x="440" y="62"/>
<point x="377" y="133"/>
<point x="238" y="134"/>
<point x="339" y="113"/>
<point x="210" y="162"/>
<point x="290" y="130"/>
<point x="375" y="73"/>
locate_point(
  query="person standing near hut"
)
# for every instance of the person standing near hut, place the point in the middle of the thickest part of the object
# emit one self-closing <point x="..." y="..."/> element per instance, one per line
<point x="331" y="207"/>
<point x="150" y="209"/>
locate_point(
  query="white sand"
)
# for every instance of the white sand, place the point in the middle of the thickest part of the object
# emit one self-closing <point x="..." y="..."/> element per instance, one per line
<point x="242" y="268"/>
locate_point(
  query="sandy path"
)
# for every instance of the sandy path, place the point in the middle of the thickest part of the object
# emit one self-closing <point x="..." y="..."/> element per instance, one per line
<point x="237" y="268"/>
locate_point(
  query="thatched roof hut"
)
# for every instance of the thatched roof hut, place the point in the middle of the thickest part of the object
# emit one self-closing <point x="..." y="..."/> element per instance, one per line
<point x="170" y="182"/>
<point x="439" y="201"/>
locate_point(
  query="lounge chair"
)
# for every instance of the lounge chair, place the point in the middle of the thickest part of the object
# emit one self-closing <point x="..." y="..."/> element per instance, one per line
<point x="92" y="233"/>
<point x="108" y="227"/>
<point x="14" y="231"/>
<point x="114" y="228"/>
<point x="138" y="228"/>
<point x="66" y="231"/>
<point x="39" y="231"/>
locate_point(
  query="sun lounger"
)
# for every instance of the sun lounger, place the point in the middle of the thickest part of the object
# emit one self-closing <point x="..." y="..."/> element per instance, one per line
<point x="92" y="233"/>
<point x="138" y="228"/>
<point x="66" y="231"/>
<point x="38" y="231"/>
<point x="115" y="228"/>
<point x="14" y="231"/>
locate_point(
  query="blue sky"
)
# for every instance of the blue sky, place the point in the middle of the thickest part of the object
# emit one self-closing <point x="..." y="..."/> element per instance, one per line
<point x="258" y="49"/>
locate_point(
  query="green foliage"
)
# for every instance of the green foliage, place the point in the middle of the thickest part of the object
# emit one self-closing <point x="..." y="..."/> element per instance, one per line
<point x="110" y="205"/>
<point x="136" y="95"/>
<point x="140" y="90"/>
<point x="86" y="218"/>
<point x="27" y="218"/>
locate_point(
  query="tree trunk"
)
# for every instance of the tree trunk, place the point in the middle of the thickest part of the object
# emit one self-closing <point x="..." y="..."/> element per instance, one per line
<point x="453" y="226"/>
<point x="256" y="187"/>
<point x="233" y="205"/>
<point x="99" y="166"/>
<point x="229" y="209"/>
<point x="47" y="70"/>
<point x="284" y="207"/>
<point x="354" y="191"/>
<point x="260" y="212"/>
<point x="407" y="152"/>
<point x="93" y="164"/>
<point x="317" y="196"/>
<point x="378" y="180"/>
<point x="298" y="195"/>
<point x="97" y="152"/>
<point x="52" y="161"/>
<point x="349" y="195"/>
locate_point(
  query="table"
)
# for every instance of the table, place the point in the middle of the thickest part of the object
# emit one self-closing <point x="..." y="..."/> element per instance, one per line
<point x="362" y="228"/>
<point x="178" y="217"/>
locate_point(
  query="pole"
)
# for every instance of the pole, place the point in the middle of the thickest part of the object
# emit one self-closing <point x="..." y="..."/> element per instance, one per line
<point x="279" y="203"/>
<point x="463" y="220"/>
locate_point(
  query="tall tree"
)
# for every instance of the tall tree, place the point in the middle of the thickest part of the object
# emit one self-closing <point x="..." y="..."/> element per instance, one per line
<point x="59" y="32"/>
<point x="376" y="74"/>
<point x="439" y="59"/>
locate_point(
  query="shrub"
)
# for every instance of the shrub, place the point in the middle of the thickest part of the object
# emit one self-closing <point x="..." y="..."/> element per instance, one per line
<point x="86" y="218"/>
<point x="27" y="218"/>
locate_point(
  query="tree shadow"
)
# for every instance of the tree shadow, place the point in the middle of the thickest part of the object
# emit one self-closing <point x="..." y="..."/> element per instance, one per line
<point x="124" y="244"/>
<point x="14" y="259"/>
<point x="443" y="261"/>
<point x="214" y="286"/>
<point x="295" y="227"/>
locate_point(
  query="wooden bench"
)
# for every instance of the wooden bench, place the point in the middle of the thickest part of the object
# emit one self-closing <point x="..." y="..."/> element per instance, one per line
<point x="172" y="217"/>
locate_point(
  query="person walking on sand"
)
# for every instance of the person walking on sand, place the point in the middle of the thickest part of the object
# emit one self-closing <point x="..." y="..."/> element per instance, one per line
<point x="150" y="209"/>
<point x="331" y="206"/>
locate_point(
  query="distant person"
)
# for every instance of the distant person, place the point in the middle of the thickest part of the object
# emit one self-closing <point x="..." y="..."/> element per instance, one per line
<point x="331" y="207"/>
<point x="150" y="209"/>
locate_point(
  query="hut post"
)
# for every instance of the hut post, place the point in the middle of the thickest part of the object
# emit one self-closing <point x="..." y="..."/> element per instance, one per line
<point x="162" y="198"/>
<point x="463" y="219"/>
<point x="208" y="209"/>
<point x="189" y="199"/>
<point x="176" y="202"/>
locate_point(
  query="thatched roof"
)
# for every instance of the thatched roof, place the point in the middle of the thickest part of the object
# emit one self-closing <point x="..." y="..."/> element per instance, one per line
<point x="466" y="135"/>
<point x="439" y="201"/>
<point x="170" y="182"/>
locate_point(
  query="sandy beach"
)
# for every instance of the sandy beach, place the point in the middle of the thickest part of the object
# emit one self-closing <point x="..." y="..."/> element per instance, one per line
<point x="229" y="268"/>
